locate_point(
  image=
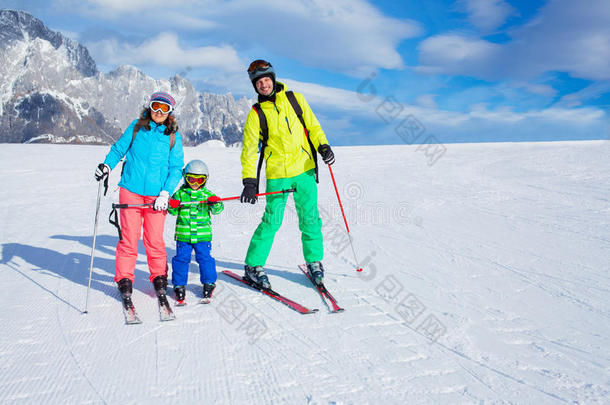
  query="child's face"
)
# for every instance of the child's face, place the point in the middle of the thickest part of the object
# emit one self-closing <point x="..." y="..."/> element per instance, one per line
<point x="195" y="181"/>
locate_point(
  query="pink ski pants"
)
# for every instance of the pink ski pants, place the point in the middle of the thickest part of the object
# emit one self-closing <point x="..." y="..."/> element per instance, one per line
<point x="132" y="221"/>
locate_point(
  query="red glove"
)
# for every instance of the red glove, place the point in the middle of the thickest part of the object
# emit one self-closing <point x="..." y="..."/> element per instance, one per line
<point x="173" y="203"/>
<point x="213" y="199"/>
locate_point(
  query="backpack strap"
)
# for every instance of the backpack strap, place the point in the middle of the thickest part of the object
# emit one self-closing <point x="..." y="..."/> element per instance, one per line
<point x="299" y="111"/>
<point x="264" y="132"/>
<point x="172" y="140"/>
<point x="136" y="129"/>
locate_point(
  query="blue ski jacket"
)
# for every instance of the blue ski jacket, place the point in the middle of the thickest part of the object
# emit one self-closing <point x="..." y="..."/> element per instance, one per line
<point x="150" y="165"/>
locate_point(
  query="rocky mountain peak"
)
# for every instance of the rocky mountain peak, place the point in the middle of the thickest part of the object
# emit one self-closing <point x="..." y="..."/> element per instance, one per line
<point x="20" y="26"/>
<point x="52" y="92"/>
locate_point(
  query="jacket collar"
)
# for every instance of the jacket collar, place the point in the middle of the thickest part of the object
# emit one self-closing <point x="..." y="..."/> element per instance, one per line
<point x="190" y="191"/>
<point x="157" y="127"/>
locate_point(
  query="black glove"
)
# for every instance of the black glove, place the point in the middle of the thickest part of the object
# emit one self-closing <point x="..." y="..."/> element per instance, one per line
<point x="102" y="171"/>
<point x="327" y="154"/>
<point x="249" y="193"/>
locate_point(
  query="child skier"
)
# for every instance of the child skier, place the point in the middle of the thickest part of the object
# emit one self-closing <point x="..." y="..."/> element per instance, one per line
<point x="194" y="230"/>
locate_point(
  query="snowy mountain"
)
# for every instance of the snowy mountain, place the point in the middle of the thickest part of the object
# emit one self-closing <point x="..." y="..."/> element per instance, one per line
<point x="486" y="281"/>
<point x="53" y="92"/>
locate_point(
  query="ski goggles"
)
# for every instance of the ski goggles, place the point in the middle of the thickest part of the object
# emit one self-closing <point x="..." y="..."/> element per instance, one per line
<point x="159" y="106"/>
<point x="259" y="65"/>
<point x="195" y="179"/>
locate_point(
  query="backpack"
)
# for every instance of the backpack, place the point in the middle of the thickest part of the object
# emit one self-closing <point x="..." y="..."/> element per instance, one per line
<point x="265" y="133"/>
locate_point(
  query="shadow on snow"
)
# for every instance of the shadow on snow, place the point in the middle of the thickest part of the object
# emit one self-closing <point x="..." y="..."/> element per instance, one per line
<point x="75" y="266"/>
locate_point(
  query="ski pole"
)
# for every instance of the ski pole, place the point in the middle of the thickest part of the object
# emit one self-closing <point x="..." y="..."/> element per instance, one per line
<point x="344" y="219"/>
<point x="173" y="203"/>
<point x="176" y="203"/>
<point x="97" y="212"/>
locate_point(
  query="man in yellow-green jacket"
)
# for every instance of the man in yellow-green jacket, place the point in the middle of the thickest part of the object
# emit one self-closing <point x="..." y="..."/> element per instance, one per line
<point x="289" y="143"/>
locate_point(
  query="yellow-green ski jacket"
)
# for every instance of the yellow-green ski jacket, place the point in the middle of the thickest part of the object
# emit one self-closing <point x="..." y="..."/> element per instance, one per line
<point x="287" y="153"/>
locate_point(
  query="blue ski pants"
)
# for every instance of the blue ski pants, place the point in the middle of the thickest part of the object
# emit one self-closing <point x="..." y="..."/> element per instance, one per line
<point x="182" y="260"/>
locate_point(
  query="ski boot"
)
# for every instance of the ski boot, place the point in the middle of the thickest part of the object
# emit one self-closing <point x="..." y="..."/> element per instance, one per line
<point x="208" y="289"/>
<point x="165" y="310"/>
<point x="180" y="292"/>
<point x="160" y="284"/>
<point x="257" y="276"/>
<point x="125" y="288"/>
<point x="316" y="270"/>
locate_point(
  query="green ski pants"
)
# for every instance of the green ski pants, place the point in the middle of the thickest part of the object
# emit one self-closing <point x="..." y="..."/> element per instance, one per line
<point x="310" y="224"/>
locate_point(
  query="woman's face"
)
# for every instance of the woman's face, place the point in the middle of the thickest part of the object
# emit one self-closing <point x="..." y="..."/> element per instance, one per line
<point x="158" y="116"/>
<point x="264" y="86"/>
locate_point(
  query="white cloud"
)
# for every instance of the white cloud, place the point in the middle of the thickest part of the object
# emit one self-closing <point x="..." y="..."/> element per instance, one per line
<point x="487" y="15"/>
<point x="165" y="50"/>
<point x="590" y="92"/>
<point x="455" y="54"/>
<point x="426" y="100"/>
<point x="359" y="105"/>
<point x="191" y="22"/>
<point x="115" y="7"/>
<point x="537" y="88"/>
<point x="328" y="96"/>
<point x="70" y="34"/>
<point x="566" y="36"/>
<point x="349" y="36"/>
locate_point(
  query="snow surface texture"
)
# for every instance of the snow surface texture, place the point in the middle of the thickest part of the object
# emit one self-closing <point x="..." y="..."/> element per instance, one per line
<point x="486" y="280"/>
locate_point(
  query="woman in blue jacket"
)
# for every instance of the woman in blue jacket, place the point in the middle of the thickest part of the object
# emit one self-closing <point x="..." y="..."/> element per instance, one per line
<point x="152" y="147"/>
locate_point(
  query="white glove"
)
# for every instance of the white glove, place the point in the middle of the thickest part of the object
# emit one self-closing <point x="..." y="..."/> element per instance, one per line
<point x="102" y="171"/>
<point x="161" y="201"/>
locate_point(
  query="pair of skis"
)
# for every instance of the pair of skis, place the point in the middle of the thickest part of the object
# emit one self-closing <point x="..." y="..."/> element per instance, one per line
<point x="324" y="293"/>
<point x="165" y="311"/>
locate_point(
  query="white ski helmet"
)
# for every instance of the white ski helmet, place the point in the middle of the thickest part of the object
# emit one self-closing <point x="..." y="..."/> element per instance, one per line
<point x="196" y="167"/>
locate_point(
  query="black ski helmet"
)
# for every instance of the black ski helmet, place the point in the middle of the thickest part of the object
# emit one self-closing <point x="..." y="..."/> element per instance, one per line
<point x="260" y="68"/>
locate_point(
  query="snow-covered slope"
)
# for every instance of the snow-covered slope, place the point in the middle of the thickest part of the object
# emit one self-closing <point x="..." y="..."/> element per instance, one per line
<point x="51" y="91"/>
<point x="486" y="281"/>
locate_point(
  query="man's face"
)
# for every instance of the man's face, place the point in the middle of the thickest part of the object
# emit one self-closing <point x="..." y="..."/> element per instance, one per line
<point x="264" y="86"/>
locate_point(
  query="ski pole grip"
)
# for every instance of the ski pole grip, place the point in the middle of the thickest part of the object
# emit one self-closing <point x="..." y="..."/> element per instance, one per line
<point x="120" y="205"/>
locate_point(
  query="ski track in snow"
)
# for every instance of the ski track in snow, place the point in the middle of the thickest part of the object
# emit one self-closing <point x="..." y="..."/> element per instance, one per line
<point x="505" y="245"/>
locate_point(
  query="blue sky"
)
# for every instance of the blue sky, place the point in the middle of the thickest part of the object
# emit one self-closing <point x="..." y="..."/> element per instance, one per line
<point x="462" y="70"/>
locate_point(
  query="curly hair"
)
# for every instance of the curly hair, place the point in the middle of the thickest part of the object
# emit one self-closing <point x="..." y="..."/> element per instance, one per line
<point x="171" y="124"/>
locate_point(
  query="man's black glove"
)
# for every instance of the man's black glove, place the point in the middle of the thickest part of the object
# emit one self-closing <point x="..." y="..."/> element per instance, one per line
<point x="327" y="154"/>
<point x="250" y="189"/>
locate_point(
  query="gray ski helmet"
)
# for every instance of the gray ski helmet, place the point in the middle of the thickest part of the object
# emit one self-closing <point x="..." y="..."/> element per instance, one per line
<point x="196" y="167"/>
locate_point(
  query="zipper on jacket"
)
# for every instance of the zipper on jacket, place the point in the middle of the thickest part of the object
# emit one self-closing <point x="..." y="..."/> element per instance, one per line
<point x="305" y="151"/>
<point x="285" y="117"/>
<point x="267" y="159"/>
